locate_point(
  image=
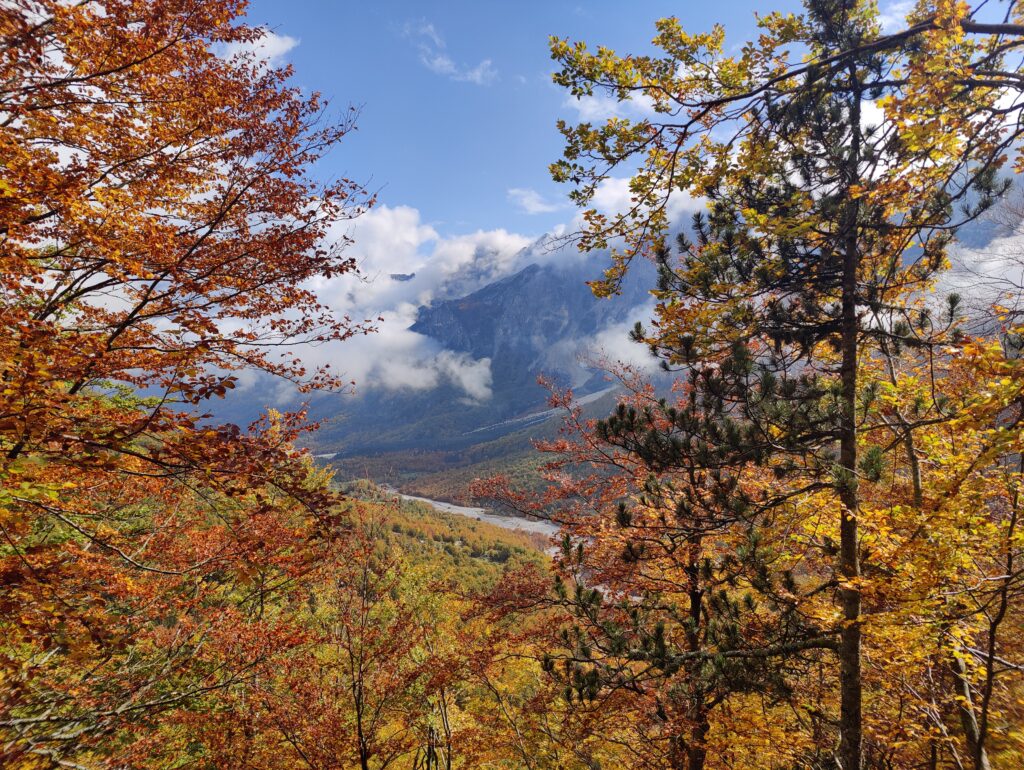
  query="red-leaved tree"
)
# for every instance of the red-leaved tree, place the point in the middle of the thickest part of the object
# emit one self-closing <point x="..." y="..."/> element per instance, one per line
<point x="158" y="225"/>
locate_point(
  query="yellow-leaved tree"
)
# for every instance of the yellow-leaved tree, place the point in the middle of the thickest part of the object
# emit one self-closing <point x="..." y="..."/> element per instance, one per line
<point x="835" y="162"/>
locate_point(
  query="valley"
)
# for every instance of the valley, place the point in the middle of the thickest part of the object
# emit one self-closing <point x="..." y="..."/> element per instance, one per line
<point x="542" y="321"/>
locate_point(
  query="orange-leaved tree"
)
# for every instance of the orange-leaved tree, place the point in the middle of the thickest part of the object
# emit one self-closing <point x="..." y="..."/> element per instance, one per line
<point x="158" y="222"/>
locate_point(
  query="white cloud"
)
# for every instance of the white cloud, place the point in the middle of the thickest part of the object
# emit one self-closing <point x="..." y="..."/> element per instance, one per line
<point x="393" y="241"/>
<point x="270" y="50"/>
<point x="893" y="16"/>
<point x="598" y="108"/>
<point x="613" y="344"/>
<point x="431" y="46"/>
<point x="440" y="64"/>
<point x="406" y="263"/>
<point x="603" y="350"/>
<point x="987" y="275"/>
<point x="531" y="201"/>
<point x="397" y="358"/>
<point x="427" y="30"/>
<point x="614" y="197"/>
<point x="473" y="377"/>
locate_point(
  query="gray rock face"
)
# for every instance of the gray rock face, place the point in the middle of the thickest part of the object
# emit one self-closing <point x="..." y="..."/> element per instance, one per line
<point x="531" y="322"/>
<point x="536" y="321"/>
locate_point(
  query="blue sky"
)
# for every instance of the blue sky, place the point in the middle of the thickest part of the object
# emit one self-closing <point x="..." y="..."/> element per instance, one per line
<point x="457" y="131"/>
<point x="457" y="102"/>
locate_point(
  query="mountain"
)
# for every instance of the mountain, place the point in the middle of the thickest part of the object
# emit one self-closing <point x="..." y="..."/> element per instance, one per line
<point x="536" y="321"/>
<point x="539" y="321"/>
<point x="431" y="434"/>
<point x="424" y="429"/>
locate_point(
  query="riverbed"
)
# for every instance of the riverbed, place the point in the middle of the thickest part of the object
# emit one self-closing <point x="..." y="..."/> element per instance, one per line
<point x="517" y="523"/>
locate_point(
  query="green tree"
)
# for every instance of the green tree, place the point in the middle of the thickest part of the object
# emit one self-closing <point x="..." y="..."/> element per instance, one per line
<point x="834" y="188"/>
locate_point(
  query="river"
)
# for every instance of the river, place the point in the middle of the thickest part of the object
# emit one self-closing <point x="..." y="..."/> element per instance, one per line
<point x="506" y="522"/>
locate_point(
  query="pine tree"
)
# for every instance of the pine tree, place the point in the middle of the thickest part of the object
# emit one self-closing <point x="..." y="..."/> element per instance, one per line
<point x="825" y="228"/>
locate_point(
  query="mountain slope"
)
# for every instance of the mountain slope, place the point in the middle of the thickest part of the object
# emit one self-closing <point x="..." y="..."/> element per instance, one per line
<point x="538" y="321"/>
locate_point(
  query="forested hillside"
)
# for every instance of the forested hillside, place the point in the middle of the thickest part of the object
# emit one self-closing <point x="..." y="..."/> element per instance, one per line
<point x="799" y="547"/>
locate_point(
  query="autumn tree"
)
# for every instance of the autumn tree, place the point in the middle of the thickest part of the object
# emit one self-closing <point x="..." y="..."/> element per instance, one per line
<point x="385" y="657"/>
<point x="833" y="189"/>
<point x="348" y="692"/>
<point x="680" y="597"/>
<point x="158" y="225"/>
<point x="975" y="490"/>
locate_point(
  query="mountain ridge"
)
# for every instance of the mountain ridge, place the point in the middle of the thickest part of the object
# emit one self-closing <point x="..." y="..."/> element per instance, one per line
<point x="536" y="321"/>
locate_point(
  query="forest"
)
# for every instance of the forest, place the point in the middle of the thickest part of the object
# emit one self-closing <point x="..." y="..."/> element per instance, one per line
<point x="807" y="553"/>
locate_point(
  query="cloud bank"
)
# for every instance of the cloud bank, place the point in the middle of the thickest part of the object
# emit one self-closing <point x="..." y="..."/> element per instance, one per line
<point x="405" y="263"/>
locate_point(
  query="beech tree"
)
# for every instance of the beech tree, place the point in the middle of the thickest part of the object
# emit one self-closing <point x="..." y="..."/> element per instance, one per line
<point x="157" y="224"/>
<point x="834" y="187"/>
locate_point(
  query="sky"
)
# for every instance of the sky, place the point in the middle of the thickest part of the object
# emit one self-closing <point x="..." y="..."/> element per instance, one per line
<point x="458" y="108"/>
<point x="456" y="130"/>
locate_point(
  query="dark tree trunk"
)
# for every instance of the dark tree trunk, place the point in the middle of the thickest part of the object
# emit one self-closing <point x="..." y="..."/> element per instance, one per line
<point x="850" y="719"/>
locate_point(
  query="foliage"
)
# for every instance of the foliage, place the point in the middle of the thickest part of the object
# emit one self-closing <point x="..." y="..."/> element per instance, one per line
<point x="392" y="662"/>
<point x="158" y="223"/>
<point x="808" y="555"/>
<point x="798" y="315"/>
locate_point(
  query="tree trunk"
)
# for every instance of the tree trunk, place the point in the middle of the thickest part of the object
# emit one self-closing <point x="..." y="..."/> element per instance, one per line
<point x="849" y="566"/>
<point x="968" y="720"/>
<point x="850" y="732"/>
<point x="696" y="750"/>
<point x="697" y="754"/>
